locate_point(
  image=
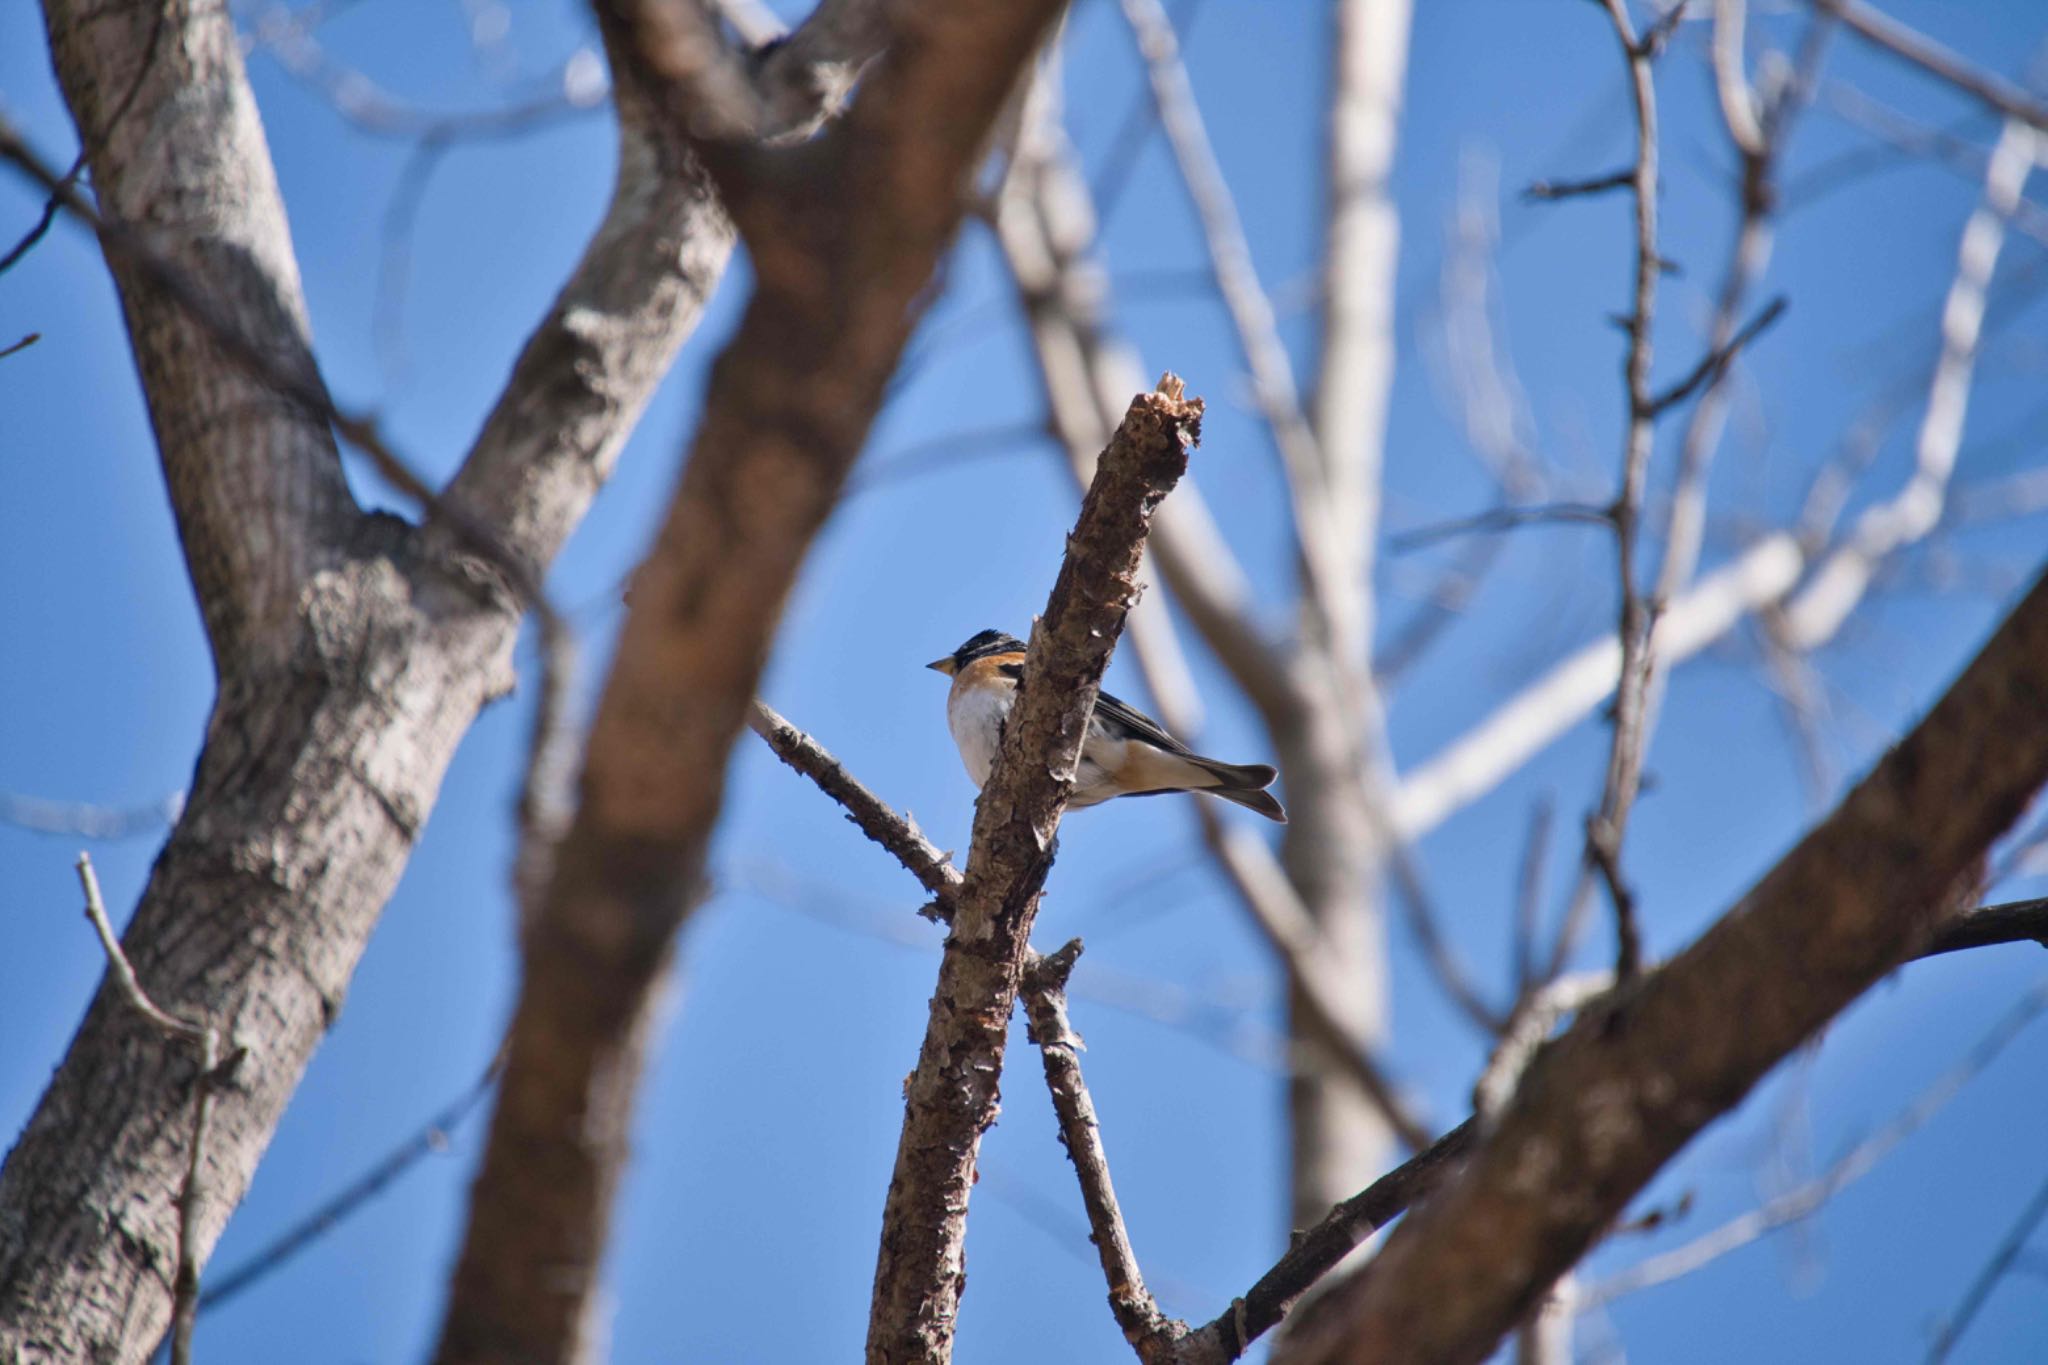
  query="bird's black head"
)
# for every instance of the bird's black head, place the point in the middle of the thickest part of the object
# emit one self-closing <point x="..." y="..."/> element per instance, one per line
<point x="978" y="646"/>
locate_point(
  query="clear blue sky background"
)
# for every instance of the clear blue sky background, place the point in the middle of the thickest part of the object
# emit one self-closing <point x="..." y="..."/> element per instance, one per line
<point x="747" y="1227"/>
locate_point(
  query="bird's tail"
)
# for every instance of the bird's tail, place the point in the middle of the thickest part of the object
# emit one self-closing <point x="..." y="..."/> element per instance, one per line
<point x="1245" y="784"/>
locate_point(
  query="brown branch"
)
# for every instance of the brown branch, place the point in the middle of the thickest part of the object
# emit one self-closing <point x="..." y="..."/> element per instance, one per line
<point x="1606" y="1105"/>
<point x="1990" y="926"/>
<point x="849" y="229"/>
<point x="1549" y="191"/>
<point x="951" y="1097"/>
<point x="1151" y="1334"/>
<point x="898" y="833"/>
<point x="204" y="1041"/>
<point x="1313" y="1253"/>
<point x="1807" y="1198"/>
<point x="1716" y="361"/>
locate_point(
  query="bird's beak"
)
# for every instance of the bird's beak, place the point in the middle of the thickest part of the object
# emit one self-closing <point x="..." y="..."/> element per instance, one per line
<point x="944" y="665"/>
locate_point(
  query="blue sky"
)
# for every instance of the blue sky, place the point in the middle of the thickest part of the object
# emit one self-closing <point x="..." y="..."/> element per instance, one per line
<point x="769" y="1122"/>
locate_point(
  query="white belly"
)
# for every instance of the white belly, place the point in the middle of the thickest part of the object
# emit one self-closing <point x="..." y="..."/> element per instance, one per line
<point x="975" y="716"/>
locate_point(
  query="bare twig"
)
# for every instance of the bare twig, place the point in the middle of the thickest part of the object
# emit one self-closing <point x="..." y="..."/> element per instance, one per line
<point x="1717" y="360"/>
<point x="432" y="1136"/>
<point x="1251" y="314"/>
<point x="1990" y="926"/>
<point x="1606" y="828"/>
<point x="1312" y="1253"/>
<point x="1548" y="191"/>
<point x="22" y="345"/>
<point x="1148" y="1330"/>
<point x="1853" y="1165"/>
<point x="1277" y="911"/>
<point x="1529" y="894"/>
<point x="86" y="820"/>
<point x="895" y="832"/>
<point x="204" y="1040"/>
<point x="1500" y="519"/>
<point x="1738" y="102"/>
<point x="2002" y="1258"/>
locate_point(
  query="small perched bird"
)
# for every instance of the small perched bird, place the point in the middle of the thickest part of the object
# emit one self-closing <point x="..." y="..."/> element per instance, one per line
<point x="1126" y="753"/>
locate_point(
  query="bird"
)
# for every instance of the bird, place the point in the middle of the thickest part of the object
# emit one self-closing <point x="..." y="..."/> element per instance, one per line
<point x="1127" y="753"/>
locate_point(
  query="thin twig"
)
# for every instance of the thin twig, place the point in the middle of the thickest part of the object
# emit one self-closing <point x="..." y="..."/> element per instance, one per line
<point x="1549" y="191"/>
<point x="1717" y="360"/>
<point x="1606" y="828"/>
<point x="894" y="831"/>
<point x="1500" y="519"/>
<point x="1529" y="894"/>
<point x="1834" y="588"/>
<point x="204" y="1040"/>
<point x="22" y="345"/>
<point x="1313" y="1253"/>
<point x="2002" y="1258"/>
<point x="432" y="1136"/>
<point x="1148" y="1330"/>
<point x="86" y="820"/>
<point x="1853" y="1165"/>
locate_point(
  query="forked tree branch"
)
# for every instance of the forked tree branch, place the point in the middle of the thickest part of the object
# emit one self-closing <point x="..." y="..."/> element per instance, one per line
<point x="950" y="1099"/>
<point x="1315" y="1251"/>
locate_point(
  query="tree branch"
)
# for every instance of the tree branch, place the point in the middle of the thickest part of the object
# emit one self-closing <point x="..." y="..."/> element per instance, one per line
<point x="1602" y="1109"/>
<point x="1151" y="1334"/>
<point x="951" y="1097"/>
<point x="898" y="833"/>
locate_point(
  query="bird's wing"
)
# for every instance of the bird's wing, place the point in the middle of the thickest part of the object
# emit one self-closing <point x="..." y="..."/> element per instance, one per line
<point x="1119" y="717"/>
<point x="1125" y="721"/>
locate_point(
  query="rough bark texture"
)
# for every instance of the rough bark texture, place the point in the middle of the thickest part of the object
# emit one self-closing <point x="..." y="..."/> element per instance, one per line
<point x="844" y="233"/>
<point x="952" y="1096"/>
<point x="353" y="653"/>
<point x="1603" y="1108"/>
<point x="1150" y="1332"/>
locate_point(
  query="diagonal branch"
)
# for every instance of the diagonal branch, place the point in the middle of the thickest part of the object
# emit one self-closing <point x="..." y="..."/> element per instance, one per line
<point x="897" y="833"/>
<point x="950" y="1099"/>
<point x="1604" y="1107"/>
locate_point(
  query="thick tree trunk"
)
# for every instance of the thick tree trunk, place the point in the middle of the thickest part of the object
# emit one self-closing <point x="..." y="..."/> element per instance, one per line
<point x="353" y="650"/>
